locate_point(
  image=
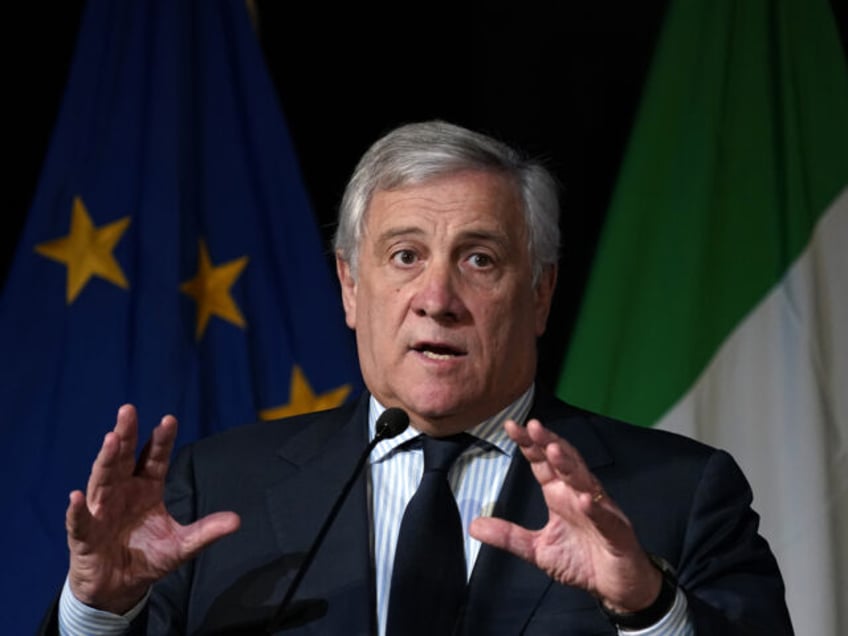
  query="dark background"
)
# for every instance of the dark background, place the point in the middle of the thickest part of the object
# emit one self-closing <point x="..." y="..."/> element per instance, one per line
<point x="560" y="80"/>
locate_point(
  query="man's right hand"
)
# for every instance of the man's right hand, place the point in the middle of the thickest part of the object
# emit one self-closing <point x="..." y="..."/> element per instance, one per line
<point x="120" y="535"/>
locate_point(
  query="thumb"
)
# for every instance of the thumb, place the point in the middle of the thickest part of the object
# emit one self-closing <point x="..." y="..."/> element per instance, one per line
<point x="505" y="535"/>
<point x="207" y="530"/>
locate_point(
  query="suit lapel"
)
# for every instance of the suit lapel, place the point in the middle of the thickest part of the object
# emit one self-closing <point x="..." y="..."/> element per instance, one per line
<point x="314" y="466"/>
<point x="505" y="591"/>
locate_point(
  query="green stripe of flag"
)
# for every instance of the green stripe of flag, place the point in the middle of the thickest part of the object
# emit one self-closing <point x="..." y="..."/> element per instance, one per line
<point x="740" y="144"/>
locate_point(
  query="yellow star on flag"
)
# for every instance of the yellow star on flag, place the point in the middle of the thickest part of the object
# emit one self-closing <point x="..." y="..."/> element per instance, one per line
<point x="302" y="399"/>
<point x="87" y="251"/>
<point x="210" y="288"/>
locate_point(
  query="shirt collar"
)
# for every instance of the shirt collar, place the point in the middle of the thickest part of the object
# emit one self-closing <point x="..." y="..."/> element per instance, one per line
<point x="490" y="431"/>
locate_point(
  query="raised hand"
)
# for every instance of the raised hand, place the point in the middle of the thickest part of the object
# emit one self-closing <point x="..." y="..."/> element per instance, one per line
<point x="588" y="542"/>
<point x="120" y="535"/>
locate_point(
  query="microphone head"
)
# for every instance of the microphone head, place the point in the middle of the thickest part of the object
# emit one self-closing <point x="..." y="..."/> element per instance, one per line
<point x="392" y="422"/>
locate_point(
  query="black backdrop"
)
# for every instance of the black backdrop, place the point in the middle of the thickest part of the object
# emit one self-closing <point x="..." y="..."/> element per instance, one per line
<point x="560" y="80"/>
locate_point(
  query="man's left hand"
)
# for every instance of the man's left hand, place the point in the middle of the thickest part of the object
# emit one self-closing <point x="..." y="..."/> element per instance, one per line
<point x="588" y="541"/>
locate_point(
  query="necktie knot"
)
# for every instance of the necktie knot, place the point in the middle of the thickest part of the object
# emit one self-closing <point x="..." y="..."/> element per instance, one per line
<point x="441" y="452"/>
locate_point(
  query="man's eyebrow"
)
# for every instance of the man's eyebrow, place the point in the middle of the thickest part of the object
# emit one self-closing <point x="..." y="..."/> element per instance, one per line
<point x="492" y="236"/>
<point x="395" y="232"/>
<point x="495" y="236"/>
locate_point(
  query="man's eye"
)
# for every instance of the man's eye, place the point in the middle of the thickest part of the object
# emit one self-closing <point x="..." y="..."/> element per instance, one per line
<point x="404" y="257"/>
<point x="480" y="260"/>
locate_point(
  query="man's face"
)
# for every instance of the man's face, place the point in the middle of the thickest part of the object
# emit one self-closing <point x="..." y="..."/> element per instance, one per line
<point x="443" y="303"/>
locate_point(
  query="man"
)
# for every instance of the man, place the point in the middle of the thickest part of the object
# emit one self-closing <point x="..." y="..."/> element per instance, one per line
<point x="573" y="523"/>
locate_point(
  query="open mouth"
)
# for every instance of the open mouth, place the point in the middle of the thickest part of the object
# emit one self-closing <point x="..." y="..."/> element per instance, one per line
<point x="438" y="352"/>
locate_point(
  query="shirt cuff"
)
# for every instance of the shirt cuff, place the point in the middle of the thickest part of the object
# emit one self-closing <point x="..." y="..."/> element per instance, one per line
<point x="676" y="622"/>
<point x="75" y="617"/>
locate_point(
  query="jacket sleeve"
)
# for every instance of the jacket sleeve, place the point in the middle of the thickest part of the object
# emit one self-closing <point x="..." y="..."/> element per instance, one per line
<point x="727" y="570"/>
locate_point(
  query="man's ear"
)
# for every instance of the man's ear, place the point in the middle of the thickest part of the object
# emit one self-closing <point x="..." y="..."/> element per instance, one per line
<point x="348" y="285"/>
<point x="544" y="296"/>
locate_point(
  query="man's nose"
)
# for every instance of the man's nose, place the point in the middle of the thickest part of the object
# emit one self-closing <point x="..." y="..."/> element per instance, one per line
<point x="439" y="293"/>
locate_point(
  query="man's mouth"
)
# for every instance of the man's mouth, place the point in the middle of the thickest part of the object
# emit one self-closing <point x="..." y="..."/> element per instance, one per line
<point x="438" y="351"/>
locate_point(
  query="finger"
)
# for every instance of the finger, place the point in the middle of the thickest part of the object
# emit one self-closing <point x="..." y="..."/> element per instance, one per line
<point x="126" y="424"/>
<point x="544" y="437"/>
<point x="77" y="517"/>
<point x="117" y="453"/>
<point x="156" y="454"/>
<point x="587" y="494"/>
<point x="504" y="535"/>
<point x="126" y="428"/>
<point x="565" y="460"/>
<point x="521" y="437"/>
<point x="554" y="461"/>
<point x="105" y="471"/>
<point x="532" y="451"/>
<point x="207" y="530"/>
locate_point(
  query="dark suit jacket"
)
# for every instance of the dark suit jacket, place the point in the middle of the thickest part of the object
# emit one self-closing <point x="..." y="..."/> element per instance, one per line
<point x="688" y="503"/>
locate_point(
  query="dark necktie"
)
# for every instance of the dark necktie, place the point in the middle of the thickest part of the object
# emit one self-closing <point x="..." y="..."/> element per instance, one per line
<point x="429" y="576"/>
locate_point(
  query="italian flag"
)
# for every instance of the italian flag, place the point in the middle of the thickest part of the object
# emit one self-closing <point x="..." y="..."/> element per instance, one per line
<point x="718" y="303"/>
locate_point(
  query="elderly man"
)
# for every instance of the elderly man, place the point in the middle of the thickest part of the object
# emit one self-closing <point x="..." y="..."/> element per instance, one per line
<point x="566" y="522"/>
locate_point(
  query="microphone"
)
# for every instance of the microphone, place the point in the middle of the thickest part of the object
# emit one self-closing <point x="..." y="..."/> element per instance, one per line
<point x="391" y="423"/>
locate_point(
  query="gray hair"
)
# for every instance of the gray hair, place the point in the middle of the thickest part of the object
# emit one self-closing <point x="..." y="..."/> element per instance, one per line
<point x="415" y="153"/>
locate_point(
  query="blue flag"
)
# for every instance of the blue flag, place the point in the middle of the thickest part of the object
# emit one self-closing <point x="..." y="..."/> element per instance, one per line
<point x="170" y="259"/>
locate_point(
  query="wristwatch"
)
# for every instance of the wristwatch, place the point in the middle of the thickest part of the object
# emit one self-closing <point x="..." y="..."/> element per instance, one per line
<point x="656" y="610"/>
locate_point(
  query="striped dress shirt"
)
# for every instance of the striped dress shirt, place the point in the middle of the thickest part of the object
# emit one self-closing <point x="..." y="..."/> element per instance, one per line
<point x="475" y="479"/>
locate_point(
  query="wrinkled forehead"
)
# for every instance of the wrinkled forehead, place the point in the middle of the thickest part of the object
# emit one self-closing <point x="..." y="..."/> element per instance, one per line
<point x="501" y="189"/>
<point x="469" y="197"/>
<point x="417" y="175"/>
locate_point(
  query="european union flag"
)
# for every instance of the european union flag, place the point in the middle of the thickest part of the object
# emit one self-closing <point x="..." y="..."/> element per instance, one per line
<point x="170" y="259"/>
